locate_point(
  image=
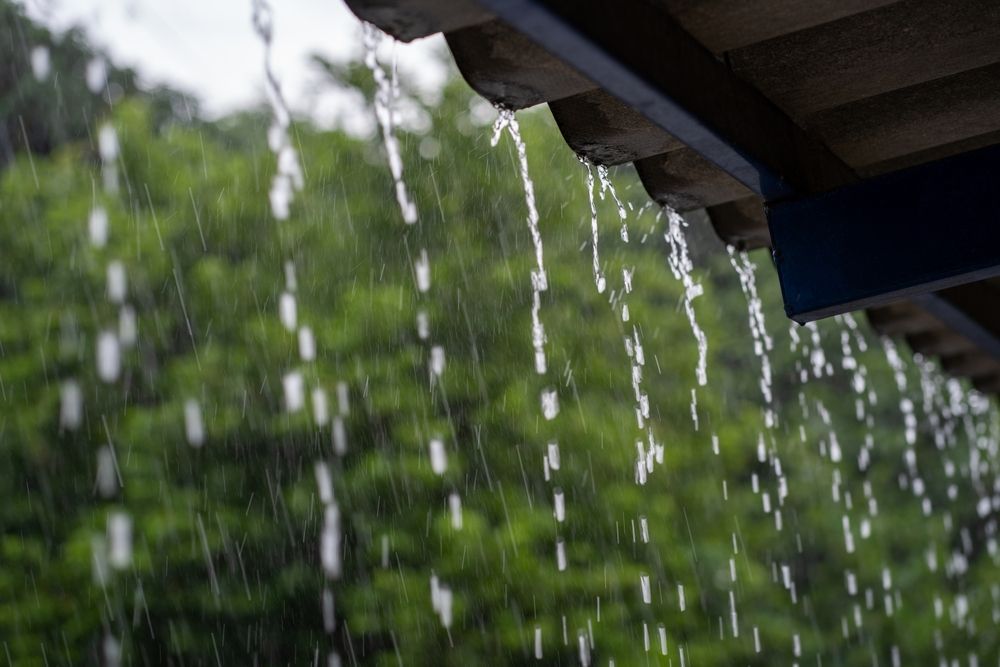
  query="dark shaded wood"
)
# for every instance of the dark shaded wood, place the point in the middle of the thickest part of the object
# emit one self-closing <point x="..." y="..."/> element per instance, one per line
<point x="507" y="68"/>
<point x="902" y="318"/>
<point x="606" y="131"/>
<point x="989" y="384"/>
<point x="722" y="25"/>
<point x="940" y="343"/>
<point x="413" y="19"/>
<point x="867" y="54"/>
<point x="936" y="153"/>
<point x="684" y="180"/>
<point x="913" y="119"/>
<point x="973" y="364"/>
<point x="887" y="84"/>
<point x="973" y="310"/>
<point x="741" y="223"/>
<point x="637" y="52"/>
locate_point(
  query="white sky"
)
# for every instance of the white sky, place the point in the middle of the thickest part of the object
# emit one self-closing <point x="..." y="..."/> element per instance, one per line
<point x="209" y="48"/>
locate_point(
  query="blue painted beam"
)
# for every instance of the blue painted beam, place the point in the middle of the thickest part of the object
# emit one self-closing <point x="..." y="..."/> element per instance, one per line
<point x="903" y="234"/>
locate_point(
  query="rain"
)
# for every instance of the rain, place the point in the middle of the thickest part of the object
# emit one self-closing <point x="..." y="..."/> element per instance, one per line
<point x="418" y="385"/>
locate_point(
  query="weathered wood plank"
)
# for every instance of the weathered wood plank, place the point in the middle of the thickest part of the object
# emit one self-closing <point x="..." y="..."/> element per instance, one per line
<point x="741" y="223"/>
<point x="940" y="343"/>
<point x="902" y="318"/>
<point x="973" y="364"/>
<point x="722" y="25"/>
<point x="867" y="54"/>
<point x="508" y="68"/>
<point x="606" y="131"/>
<point x="937" y="153"/>
<point x="913" y="119"/>
<point x="413" y="19"/>
<point x="637" y="52"/>
<point x="988" y="385"/>
<point x="685" y="181"/>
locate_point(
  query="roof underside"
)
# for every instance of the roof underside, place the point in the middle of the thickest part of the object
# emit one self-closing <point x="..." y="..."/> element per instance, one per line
<point x="830" y="91"/>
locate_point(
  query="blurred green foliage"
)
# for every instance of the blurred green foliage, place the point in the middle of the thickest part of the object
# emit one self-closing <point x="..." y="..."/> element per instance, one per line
<point x="226" y="566"/>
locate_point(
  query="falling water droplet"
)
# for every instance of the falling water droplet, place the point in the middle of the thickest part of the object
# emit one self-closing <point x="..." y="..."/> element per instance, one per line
<point x="324" y="482"/>
<point x="70" y="405"/>
<point x="97" y="227"/>
<point x="128" y="326"/>
<point x="558" y="504"/>
<point x="330" y="542"/>
<point x="107" y="472"/>
<point x="437" y="361"/>
<point x="96" y="75"/>
<point x="288" y="311"/>
<point x="560" y="555"/>
<point x="423" y="325"/>
<point x="108" y="356"/>
<point x="550" y="403"/>
<point x="40" y="62"/>
<point x="553" y="455"/>
<point x="116" y="282"/>
<point x="294" y="388"/>
<point x="194" y="427"/>
<point x="439" y="457"/>
<point x="320" y="406"/>
<point x="307" y="344"/>
<point x="384" y="116"/>
<point x="119" y="540"/>
<point x="422" y="270"/>
<point x="455" y="505"/>
<point x="339" y="435"/>
<point x="681" y="266"/>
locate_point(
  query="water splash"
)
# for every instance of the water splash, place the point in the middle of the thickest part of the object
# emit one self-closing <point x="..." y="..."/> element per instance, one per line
<point x="599" y="280"/>
<point x="681" y="266"/>
<point x="607" y="187"/>
<point x="108" y="149"/>
<point x="97" y="226"/>
<point x="383" y="114"/>
<point x="194" y="425"/>
<point x="288" y="178"/>
<point x="762" y="342"/>
<point x="41" y="62"/>
<point x="96" y="75"/>
<point x="539" y="279"/>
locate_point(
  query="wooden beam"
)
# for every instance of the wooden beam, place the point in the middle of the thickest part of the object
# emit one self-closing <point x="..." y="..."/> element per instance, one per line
<point x="508" y="68"/>
<point x="973" y="365"/>
<point x="938" y="152"/>
<point x="634" y="49"/>
<point x="413" y="19"/>
<point x="913" y="119"/>
<point x="988" y="385"/>
<point x="868" y="54"/>
<point x="902" y="319"/>
<point x="940" y="343"/>
<point x="722" y="25"/>
<point x="684" y="180"/>
<point x="970" y="310"/>
<point x="601" y="128"/>
<point x="741" y="223"/>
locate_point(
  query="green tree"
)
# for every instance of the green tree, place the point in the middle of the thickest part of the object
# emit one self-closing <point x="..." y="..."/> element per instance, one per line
<point x="226" y="561"/>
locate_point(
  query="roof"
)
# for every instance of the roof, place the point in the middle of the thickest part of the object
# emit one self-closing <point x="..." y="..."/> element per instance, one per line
<point x="823" y="94"/>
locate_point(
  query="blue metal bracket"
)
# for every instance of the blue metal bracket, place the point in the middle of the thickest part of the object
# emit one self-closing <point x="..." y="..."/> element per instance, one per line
<point x="899" y="235"/>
